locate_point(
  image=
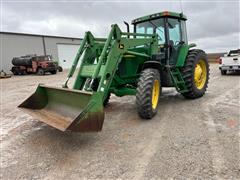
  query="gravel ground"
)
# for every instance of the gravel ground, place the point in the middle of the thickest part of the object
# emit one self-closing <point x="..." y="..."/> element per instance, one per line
<point x="193" y="139"/>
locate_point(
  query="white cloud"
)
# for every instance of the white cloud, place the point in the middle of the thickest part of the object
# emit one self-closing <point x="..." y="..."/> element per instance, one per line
<point x="213" y="25"/>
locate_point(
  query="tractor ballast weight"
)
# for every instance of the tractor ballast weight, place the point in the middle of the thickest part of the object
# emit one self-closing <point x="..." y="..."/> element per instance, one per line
<point x="118" y="65"/>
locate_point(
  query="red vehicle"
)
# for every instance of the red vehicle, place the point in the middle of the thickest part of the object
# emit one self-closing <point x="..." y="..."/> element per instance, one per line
<point x="34" y="64"/>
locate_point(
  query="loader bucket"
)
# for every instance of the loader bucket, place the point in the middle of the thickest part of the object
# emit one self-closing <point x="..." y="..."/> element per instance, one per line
<point x="66" y="109"/>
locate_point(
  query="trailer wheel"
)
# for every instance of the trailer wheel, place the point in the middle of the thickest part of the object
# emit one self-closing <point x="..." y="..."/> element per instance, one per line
<point x="196" y="74"/>
<point x="148" y="93"/>
<point x="40" y="71"/>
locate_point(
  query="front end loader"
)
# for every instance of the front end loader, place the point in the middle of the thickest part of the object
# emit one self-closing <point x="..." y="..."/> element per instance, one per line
<point x="155" y="55"/>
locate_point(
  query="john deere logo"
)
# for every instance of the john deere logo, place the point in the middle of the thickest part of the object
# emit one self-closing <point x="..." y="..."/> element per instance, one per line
<point x="121" y="46"/>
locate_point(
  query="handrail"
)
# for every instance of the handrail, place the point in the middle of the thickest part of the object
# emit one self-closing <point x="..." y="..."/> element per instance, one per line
<point x="137" y="54"/>
<point x="137" y="34"/>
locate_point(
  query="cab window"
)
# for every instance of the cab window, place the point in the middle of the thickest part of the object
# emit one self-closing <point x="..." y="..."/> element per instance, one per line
<point x="152" y="26"/>
<point x="144" y="28"/>
<point x="174" y="31"/>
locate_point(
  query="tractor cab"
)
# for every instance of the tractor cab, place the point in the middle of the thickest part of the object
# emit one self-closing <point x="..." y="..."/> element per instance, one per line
<point x="170" y="28"/>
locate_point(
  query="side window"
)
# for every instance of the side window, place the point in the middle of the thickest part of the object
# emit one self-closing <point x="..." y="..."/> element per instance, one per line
<point x="161" y="35"/>
<point x="174" y="31"/>
<point x="144" y="28"/>
<point x="184" y="31"/>
<point x="149" y="30"/>
<point x="141" y="29"/>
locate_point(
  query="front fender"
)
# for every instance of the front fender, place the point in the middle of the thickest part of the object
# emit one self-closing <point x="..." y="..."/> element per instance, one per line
<point x="152" y="64"/>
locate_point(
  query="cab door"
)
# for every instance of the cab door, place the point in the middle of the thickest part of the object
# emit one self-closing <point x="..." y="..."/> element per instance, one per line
<point x="177" y="38"/>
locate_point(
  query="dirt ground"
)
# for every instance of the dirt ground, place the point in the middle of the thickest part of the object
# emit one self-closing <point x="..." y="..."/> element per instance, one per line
<point x="193" y="139"/>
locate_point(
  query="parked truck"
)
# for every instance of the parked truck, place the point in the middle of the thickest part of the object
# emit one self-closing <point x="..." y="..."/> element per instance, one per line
<point x="34" y="64"/>
<point x="230" y="62"/>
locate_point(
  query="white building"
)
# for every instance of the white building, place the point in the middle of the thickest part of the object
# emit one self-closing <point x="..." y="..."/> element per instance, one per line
<point x="62" y="49"/>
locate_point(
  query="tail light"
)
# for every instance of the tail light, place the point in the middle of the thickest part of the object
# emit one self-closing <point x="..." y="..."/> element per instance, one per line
<point x="220" y="61"/>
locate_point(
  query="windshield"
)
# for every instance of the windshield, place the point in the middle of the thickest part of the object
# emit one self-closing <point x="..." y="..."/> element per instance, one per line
<point x="234" y="52"/>
<point x="153" y="26"/>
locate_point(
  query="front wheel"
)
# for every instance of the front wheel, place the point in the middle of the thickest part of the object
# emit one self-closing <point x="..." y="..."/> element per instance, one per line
<point x="60" y="69"/>
<point x="106" y="101"/>
<point x="223" y="72"/>
<point x="196" y="74"/>
<point x="148" y="93"/>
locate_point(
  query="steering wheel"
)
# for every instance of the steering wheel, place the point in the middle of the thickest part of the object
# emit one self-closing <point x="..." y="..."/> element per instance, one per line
<point x="177" y="42"/>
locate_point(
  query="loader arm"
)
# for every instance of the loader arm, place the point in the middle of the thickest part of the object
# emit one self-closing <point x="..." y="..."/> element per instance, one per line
<point x="108" y="54"/>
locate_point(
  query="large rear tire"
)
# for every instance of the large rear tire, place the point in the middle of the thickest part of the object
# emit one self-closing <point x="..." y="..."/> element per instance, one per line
<point x="196" y="74"/>
<point x="148" y="93"/>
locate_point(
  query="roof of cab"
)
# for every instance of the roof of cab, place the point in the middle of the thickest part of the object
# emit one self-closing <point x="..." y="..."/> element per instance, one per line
<point x="158" y="15"/>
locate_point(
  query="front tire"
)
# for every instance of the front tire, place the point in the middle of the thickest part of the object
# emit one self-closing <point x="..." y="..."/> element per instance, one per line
<point x="106" y="101"/>
<point x="223" y="72"/>
<point x="60" y="69"/>
<point x="196" y="74"/>
<point x="148" y="93"/>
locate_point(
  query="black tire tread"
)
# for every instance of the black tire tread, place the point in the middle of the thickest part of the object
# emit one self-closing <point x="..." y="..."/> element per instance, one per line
<point x="144" y="93"/>
<point x="106" y="101"/>
<point x="188" y="74"/>
<point x="223" y="72"/>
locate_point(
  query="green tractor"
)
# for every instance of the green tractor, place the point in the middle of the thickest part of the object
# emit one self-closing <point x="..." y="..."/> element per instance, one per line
<point x="155" y="55"/>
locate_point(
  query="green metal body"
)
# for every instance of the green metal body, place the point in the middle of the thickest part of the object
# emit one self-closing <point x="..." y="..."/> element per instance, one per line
<point x="111" y="65"/>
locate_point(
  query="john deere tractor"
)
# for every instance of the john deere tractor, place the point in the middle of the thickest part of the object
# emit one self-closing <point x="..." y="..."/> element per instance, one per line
<point x="155" y="55"/>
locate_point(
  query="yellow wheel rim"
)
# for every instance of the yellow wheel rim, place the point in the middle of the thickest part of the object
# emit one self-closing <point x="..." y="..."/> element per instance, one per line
<point x="155" y="93"/>
<point x="200" y="74"/>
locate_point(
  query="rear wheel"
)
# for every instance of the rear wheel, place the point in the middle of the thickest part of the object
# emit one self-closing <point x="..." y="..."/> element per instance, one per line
<point x="148" y="93"/>
<point x="223" y="72"/>
<point x="40" y="71"/>
<point x="196" y="74"/>
<point x="53" y="72"/>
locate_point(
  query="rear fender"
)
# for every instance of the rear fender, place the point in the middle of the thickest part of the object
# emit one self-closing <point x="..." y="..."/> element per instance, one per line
<point x="183" y="52"/>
